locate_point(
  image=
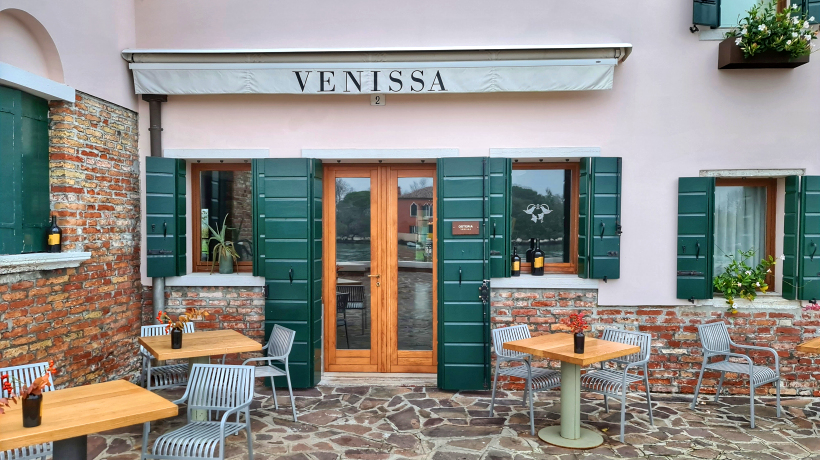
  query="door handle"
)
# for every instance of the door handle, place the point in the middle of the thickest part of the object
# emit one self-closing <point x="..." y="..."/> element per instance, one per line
<point x="378" y="283"/>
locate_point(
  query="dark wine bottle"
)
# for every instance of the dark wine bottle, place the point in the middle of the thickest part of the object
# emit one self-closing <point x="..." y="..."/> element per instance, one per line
<point x="515" y="269"/>
<point x="528" y="255"/>
<point x="55" y="236"/>
<point x="538" y="260"/>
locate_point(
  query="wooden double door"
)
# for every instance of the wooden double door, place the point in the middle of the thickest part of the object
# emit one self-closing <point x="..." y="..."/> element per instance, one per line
<point x="379" y="268"/>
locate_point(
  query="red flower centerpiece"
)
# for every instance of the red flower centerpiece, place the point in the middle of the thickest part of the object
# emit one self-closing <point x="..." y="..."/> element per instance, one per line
<point x="31" y="396"/>
<point x="577" y="325"/>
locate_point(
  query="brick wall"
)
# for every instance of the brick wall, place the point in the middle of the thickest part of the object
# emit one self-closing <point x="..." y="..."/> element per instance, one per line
<point x="676" y="356"/>
<point x="84" y="318"/>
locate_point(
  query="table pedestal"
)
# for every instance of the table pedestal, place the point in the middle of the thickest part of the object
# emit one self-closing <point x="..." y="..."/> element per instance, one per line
<point x="569" y="433"/>
<point x="71" y="448"/>
<point x="198" y="415"/>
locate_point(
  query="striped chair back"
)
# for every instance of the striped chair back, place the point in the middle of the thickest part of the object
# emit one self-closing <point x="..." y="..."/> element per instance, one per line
<point x="24" y="375"/>
<point x="280" y="341"/>
<point x="715" y="337"/>
<point x="503" y="335"/>
<point x="638" y="339"/>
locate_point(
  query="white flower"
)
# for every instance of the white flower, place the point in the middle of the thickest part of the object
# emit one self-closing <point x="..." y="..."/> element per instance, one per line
<point x="782" y="256"/>
<point x="739" y="284"/>
<point x="794" y="34"/>
<point x="788" y="42"/>
<point x="806" y="25"/>
<point x="796" y="20"/>
<point x="768" y="270"/>
<point x="748" y="272"/>
<point x="761" y="27"/>
<point x="737" y="42"/>
<point x="757" y="284"/>
<point x="744" y="31"/>
<point x="811" y="19"/>
<point x="807" y="37"/>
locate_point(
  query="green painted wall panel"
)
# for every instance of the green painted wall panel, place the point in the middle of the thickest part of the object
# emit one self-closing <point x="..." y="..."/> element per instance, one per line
<point x="809" y="281"/>
<point x="165" y="209"/>
<point x="791" y="238"/>
<point x="599" y="239"/>
<point x="696" y="197"/>
<point x="464" y="353"/>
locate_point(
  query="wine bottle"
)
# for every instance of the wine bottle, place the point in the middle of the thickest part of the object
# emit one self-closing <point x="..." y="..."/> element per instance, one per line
<point x="538" y="260"/>
<point x="515" y="269"/>
<point x="528" y="255"/>
<point x="55" y="236"/>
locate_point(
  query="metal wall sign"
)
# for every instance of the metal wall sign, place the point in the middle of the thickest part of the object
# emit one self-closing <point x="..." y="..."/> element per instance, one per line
<point x="466" y="227"/>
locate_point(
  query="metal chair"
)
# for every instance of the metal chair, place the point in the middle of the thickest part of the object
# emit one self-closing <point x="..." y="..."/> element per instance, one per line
<point x="169" y="375"/>
<point x="25" y="375"/>
<point x="615" y="381"/>
<point x="341" y="307"/>
<point x="277" y="349"/>
<point x="537" y="379"/>
<point x="355" y="301"/>
<point x="214" y="388"/>
<point x="715" y="340"/>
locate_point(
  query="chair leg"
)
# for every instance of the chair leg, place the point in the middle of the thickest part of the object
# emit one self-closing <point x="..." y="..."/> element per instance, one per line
<point x="606" y="404"/>
<point x="752" y="402"/>
<point x="495" y="382"/>
<point x="249" y="433"/>
<point x="290" y="390"/>
<point x="720" y="386"/>
<point x="648" y="398"/>
<point x="777" y="386"/>
<point x="623" y="413"/>
<point x="273" y="391"/>
<point x="532" y="412"/>
<point x="347" y="336"/>
<point x="697" y="387"/>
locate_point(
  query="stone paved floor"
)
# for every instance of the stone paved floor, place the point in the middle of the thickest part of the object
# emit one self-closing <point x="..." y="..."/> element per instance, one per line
<point x="426" y="423"/>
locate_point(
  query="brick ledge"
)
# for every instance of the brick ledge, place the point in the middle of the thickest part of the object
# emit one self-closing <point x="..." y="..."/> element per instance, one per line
<point x="41" y="261"/>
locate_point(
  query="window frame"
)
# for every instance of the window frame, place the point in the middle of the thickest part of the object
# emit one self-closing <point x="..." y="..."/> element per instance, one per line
<point x="570" y="267"/>
<point x="197" y="265"/>
<point x="771" y="214"/>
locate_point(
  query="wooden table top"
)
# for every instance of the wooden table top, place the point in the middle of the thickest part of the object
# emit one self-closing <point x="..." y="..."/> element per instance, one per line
<point x="203" y="343"/>
<point x="560" y="346"/>
<point x="812" y="346"/>
<point x="84" y="410"/>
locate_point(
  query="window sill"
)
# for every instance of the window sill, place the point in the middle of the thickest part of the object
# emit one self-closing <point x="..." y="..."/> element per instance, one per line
<point x="765" y="301"/>
<point x="549" y="281"/>
<point x="205" y="279"/>
<point x="708" y="34"/>
<point x="18" y="263"/>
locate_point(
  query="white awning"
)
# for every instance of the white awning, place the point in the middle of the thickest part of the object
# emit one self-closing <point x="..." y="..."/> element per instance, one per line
<point x="356" y="71"/>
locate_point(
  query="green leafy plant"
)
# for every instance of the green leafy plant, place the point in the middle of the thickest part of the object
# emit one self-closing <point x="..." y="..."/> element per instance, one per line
<point x="741" y="280"/>
<point x="223" y="247"/>
<point x="764" y="29"/>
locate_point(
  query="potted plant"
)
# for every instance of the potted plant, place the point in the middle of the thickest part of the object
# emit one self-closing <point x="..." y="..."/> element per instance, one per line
<point x="176" y="327"/>
<point x="31" y="396"/>
<point x="223" y="252"/>
<point x="577" y="324"/>
<point x="766" y="38"/>
<point x="741" y="280"/>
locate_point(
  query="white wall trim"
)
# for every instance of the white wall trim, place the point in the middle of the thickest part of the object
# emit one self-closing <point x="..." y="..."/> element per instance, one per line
<point x="206" y="279"/>
<point x="379" y="154"/>
<point x="215" y="154"/>
<point x="752" y="172"/>
<point x="554" y="281"/>
<point x="18" y="263"/>
<point x="28" y="82"/>
<point x="546" y="152"/>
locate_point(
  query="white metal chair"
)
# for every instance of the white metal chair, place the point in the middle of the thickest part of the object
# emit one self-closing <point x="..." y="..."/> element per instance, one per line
<point x="25" y="375"/>
<point x="214" y="388"/>
<point x="616" y="380"/>
<point x="537" y="379"/>
<point x="159" y="377"/>
<point x="277" y="349"/>
<point x="715" y="340"/>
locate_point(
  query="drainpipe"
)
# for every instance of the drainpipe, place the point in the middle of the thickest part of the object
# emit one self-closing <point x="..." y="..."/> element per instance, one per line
<point x="155" y="130"/>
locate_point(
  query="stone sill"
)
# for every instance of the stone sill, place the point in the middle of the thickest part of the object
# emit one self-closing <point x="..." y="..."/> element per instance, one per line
<point x="554" y="281"/>
<point x="205" y="279"/>
<point x="18" y="263"/>
<point x="767" y="301"/>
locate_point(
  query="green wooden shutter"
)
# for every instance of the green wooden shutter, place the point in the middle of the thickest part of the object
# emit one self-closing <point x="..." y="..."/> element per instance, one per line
<point x="791" y="237"/>
<point x="34" y="183"/>
<point x="599" y="239"/>
<point x="809" y="241"/>
<point x="11" y="241"/>
<point x="463" y="337"/>
<point x="812" y="8"/>
<point x="500" y="244"/>
<point x="706" y="13"/>
<point x="165" y="224"/>
<point x="289" y="228"/>
<point x="696" y="229"/>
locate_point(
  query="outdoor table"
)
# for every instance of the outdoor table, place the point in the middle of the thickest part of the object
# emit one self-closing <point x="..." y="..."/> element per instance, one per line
<point x="812" y="346"/>
<point x="198" y="347"/>
<point x="70" y="415"/>
<point x="559" y="346"/>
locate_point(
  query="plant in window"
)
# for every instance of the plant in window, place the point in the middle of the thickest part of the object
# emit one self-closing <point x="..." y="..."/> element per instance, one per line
<point x="765" y="29"/>
<point x="224" y="251"/>
<point x="741" y="280"/>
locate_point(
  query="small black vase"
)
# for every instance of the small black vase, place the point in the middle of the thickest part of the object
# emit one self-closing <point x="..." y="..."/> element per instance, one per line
<point x="579" y="343"/>
<point x="176" y="339"/>
<point x="32" y="410"/>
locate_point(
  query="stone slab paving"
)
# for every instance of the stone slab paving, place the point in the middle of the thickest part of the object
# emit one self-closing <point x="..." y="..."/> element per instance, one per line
<point x="387" y="423"/>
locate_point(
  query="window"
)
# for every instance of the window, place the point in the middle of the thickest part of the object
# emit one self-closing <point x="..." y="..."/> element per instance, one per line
<point x="220" y="191"/>
<point x="744" y="220"/>
<point x="414" y="210"/>
<point x="545" y="207"/>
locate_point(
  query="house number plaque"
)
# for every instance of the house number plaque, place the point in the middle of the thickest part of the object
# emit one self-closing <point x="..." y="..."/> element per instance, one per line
<point x="466" y="227"/>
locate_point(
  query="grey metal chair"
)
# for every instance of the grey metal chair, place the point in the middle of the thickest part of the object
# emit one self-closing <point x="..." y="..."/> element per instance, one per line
<point x="341" y="307"/>
<point x="355" y="300"/>
<point x="614" y="378"/>
<point x="169" y="375"/>
<point x="214" y="388"/>
<point x="25" y="375"/>
<point x="277" y="350"/>
<point x="715" y="340"/>
<point x="537" y="379"/>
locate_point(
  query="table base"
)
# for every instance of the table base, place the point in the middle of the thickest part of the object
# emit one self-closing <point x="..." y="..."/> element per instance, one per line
<point x="71" y="448"/>
<point x="588" y="439"/>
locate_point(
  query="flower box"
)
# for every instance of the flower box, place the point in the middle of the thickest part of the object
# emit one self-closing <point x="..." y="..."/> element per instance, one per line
<point x="730" y="56"/>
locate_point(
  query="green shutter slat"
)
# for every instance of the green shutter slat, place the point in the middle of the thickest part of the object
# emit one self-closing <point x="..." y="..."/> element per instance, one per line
<point x="809" y="241"/>
<point x="165" y="239"/>
<point x="696" y="210"/>
<point x="599" y="239"/>
<point x="11" y="240"/>
<point x="463" y="189"/>
<point x="706" y="12"/>
<point x="791" y="232"/>
<point x="500" y="244"/>
<point x="288" y="209"/>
